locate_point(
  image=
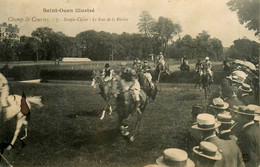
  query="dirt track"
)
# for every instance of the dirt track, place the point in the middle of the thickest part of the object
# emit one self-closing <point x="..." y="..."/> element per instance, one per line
<point x="67" y="130"/>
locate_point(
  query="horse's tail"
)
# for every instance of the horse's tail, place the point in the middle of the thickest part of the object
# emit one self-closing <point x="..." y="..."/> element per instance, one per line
<point x="35" y="100"/>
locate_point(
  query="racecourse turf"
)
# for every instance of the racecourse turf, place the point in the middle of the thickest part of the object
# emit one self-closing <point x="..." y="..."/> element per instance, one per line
<point x="67" y="131"/>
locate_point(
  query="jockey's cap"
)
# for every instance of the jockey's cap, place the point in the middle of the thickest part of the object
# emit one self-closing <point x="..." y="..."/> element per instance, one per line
<point x="138" y="61"/>
<point x="207" y="58"/>
<point x="133" y="73"/>
<point x="160" y="53"/>
<point x="107" y="65"/>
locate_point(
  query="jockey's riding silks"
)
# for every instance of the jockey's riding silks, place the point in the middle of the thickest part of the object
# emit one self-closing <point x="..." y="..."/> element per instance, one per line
<point x="4" y="89"/>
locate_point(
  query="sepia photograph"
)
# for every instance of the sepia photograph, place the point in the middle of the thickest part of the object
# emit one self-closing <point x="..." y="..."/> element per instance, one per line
<point x="129" y="83"/>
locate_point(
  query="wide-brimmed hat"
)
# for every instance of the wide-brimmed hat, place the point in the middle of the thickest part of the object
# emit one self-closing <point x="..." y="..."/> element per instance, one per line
<point x="207" y="150"/>
<point x="225" y="118"/>
<point x="218" y="103"/>
<point x="245" y="110"/>
<point x="206" y="122"/>
<point x="197" y="109"/>
<point x="240" y="74"/>
<point x="257" y="112"/>
<point x="245" y="87"/>
<point x="174" y="157"/>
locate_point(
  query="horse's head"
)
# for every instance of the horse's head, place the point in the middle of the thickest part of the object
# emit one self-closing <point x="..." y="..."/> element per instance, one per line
<point x="97" y="79"/>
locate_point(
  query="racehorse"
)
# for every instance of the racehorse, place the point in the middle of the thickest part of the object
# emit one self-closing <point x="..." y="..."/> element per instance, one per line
<point x="145" y="85"/>
<point x="160" y="68"/>
<point x="197" y="78"/>
<point x="126" y="108"/>
<point x="206" y="83"/>
<point x="14" y="109"/>
<point x="184" y="67"/>
<point x="106" y="91"/>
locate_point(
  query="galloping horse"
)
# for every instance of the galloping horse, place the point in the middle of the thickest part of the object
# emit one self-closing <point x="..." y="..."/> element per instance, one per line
<point x="14" y="109"/>
<point x="206" y="83"/>
<point x="145" y="85"/>
<point x="106" y="91"/>
<point x="125" y="107"/>
<point x="160" y="68"/>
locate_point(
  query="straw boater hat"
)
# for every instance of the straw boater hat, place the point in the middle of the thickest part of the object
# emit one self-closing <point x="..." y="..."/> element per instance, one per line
<point x="245" y="88"/>
<point x="207" y="150"/>
<point x="218" y="103"/>
<point x="206" y="122"/>
<point x="246" y="110"/>
<point x="257" y="116"/>
<point x="175" y="157"/>
<point x="225" y="118"/>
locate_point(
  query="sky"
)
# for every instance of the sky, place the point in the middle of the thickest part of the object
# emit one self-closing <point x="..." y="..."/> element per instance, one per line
<point x="194" y="16"/>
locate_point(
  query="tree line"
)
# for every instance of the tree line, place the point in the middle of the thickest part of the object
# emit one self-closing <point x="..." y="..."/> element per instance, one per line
<point x="154" y="36"/>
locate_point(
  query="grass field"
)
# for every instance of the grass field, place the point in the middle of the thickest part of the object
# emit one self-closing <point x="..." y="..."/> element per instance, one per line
<point x="67" y="130"/>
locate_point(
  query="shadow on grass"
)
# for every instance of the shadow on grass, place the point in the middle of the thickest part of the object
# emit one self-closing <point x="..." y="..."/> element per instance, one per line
<point x="93" y="113"/>
<point x="90" y="139"/>
<point x="187" y="97"/>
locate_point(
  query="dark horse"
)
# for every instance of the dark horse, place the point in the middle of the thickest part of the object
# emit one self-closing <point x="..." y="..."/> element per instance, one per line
<point x="160" y="68"/>
<point x="145" y="85"/>
<point x="126" y="109"/>
<point x="106" y="91"/>
<point x="206" y="83"/>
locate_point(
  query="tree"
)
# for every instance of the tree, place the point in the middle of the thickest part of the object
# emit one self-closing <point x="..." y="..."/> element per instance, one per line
<point x="163" y="31"/>
<point x="247" y="12"/>
<point x="244" y="49"/>
<point x="145" y="24"/>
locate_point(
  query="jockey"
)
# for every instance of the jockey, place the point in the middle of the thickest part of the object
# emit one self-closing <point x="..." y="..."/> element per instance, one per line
<point x="147" y="74"/>
<point x="199" y="67"/>
<point x="130" y="83"/>
<point x="161" y="60"/>
<point x="135" y="88"/>
<point x="207" y="68"/>
<point x="107" y="73"/>
<point x="4" y="91"/>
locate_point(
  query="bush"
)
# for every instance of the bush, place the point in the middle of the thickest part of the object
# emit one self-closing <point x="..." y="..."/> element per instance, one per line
<point x="27" y="72"/>
<point x="66" y="75"/>
<point x="188" y="77"/>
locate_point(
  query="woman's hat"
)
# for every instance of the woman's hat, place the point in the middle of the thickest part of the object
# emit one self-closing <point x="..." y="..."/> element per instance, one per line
<point x="246" y="110"/>
<point x="225" y="118"/>
<point x="175" y="157"/>
<point x="218" y="103"/>
<point x="206" y="122"/>
<point x="207" y="150"/>
<point x="245" y="87"/>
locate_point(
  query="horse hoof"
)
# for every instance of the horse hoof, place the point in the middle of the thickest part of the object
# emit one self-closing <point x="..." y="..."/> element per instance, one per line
<point x="132" y="139"/>
<point x="101" y="118"/>
<point x="8" y="148"/>
<point x="125" y="133"/>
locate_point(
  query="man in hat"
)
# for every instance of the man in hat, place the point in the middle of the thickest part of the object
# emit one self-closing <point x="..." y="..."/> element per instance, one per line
<point x="231" y="155"/>
<point x="248" y="134"/>
<point x="206" y="154"/>
<point x="226" y="126"/>
<point x="107" y="73"/>
<point x="228" y="95"/>
<point x="174" y="157"/>
<point x="245" y="94"/>
<point x="218" y="106"/>
<point x="4" y="92"/>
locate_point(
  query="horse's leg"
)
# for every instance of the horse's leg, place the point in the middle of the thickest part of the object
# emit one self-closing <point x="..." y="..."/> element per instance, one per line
<point x="110" y="109"/>
<point x="18" y="128"/>
<point x="25" y="131"/>
<point x="103" y="113"/>
<point x="159" y="75"/>
<point x="137" y="124"/>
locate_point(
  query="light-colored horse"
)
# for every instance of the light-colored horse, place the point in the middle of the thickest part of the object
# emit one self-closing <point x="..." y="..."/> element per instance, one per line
<point x="106" y="91"/>
<point x="14" y="109"/>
